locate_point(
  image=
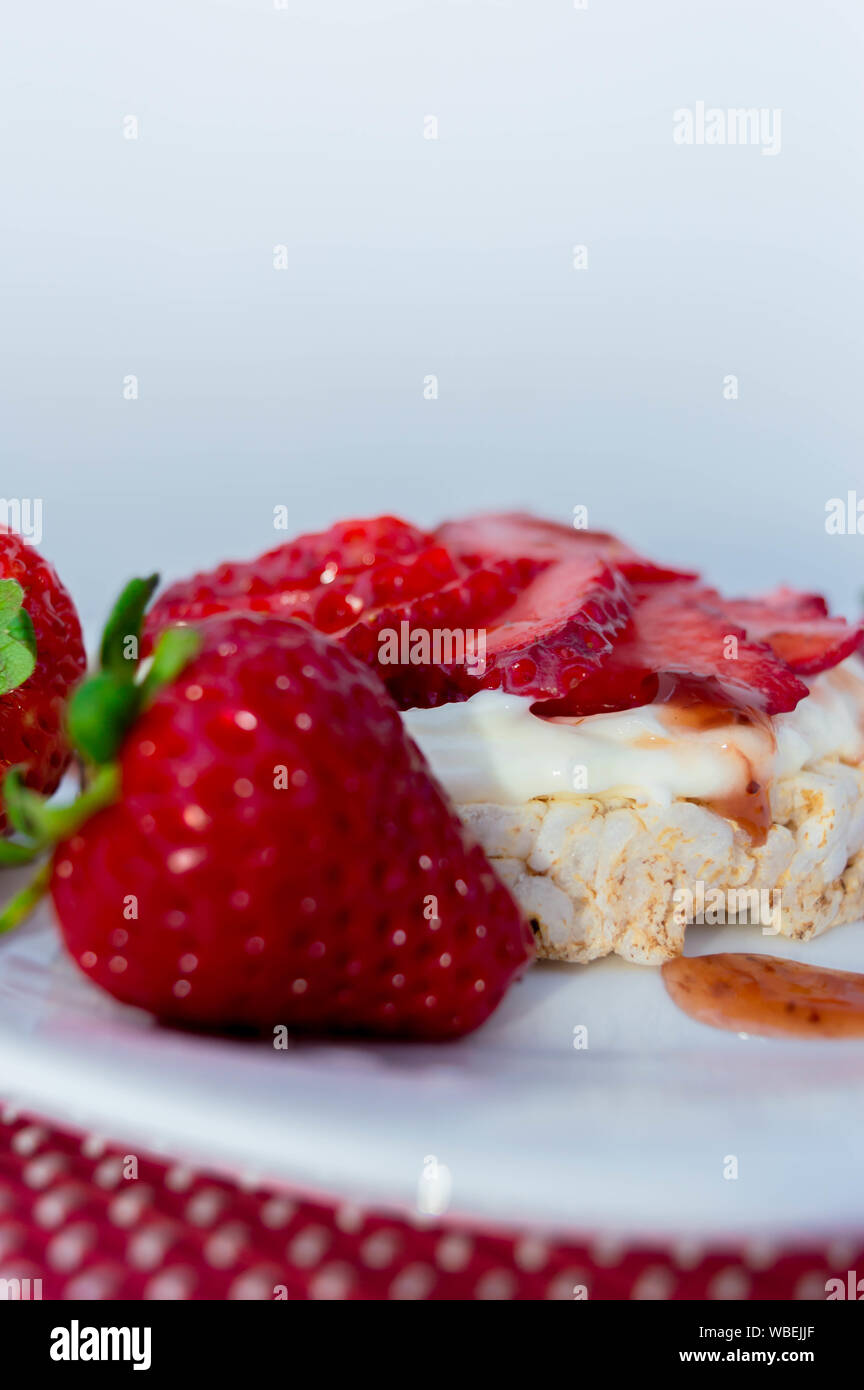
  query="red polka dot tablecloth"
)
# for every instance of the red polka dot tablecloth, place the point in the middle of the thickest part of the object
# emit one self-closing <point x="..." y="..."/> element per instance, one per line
<point x="91" y="1222"/>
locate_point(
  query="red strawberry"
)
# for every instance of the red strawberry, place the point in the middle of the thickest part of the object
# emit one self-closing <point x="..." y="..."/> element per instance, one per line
<point x="680" y="631"/>
<point x="319" y="576"/>
<point x="356" y="578"/>
<point x="796" y="627"/>
<point x="276" y="851"/>
<point x="41" y="658"/>
<point x="542" y="633"/>
<point x="551" y="603"/>
<point x="557" y="632"/>
<point x="519" y="534"/>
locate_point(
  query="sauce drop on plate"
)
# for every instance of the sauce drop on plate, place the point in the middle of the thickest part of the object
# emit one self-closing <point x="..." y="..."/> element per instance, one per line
<point x="767" y="996"/>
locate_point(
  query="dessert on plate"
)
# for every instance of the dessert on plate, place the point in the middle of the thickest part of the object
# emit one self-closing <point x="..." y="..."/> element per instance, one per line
<point x="626" y="743"/>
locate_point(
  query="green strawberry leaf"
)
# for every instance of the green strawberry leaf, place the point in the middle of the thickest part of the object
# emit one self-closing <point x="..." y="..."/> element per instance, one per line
<point x="21" y="628"/>
<point x="11" y="599"/>
<point x="100" y="712"/>
<point x="119" y="650"/>
<point x="17" y="638"/>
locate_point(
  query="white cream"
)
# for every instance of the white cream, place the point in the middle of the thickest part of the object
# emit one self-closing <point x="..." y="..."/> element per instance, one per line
<point x="492" y="748"/>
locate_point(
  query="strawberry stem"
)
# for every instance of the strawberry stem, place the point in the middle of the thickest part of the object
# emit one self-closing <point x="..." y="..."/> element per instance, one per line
<point x="106" y="705"/>
<point x="24" y="902"/>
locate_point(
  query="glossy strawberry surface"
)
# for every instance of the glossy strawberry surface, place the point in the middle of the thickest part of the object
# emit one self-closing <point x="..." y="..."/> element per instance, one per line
<point x="518" y="533"/>
<point x="797" y="628"/>
<point x="280" y="855"/>
<point x="679" y="642"/>
<point x="361" y="581"/>
<point x="574" y="619"/>
<point x="31" y="716"/>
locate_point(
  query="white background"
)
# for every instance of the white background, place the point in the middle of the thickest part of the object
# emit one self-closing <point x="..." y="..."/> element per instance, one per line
<point x="303" y="126"/>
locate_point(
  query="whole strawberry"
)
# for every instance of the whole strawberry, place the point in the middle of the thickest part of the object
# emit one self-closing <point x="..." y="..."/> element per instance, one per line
<point x="41" y="659"/>
<point x="273" y="850"/>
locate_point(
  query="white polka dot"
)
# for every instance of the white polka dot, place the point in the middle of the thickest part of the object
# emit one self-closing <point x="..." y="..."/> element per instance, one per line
<point x="204" y="1207"/>
<point x="179" y="1179"/>
<point x="26" y="1141"/>
<point x="93" y="1284"/>
<point x="128" y="1207"/>
<point x="760" y="1254"/>
<point x="147" y="1248"/>
<point x="565" y="1285"/>
<point x="687" y="1253"/>
<point x="453" y="1252"/>
<point x="412" y="1283"/>
<point x="309" y="1246"/>
<point x="223" y="1248"/>
<point x="653" y="1285"/>
<point x="276" y="1213"/>
<point x="66" y="1251"/>
<point x="171" y="1285"/>
<point x="109" y="1172"/>
<point x="332" y="1282"/>
<point x="55" y="1206"/>
<point x="349" y="1218"/>
<point x="253" y="1285"/>
<point x="731" y="1283"/>
<point x="42" y="1171"/>
<point x="495" y="1285"/>
<point x="530" y="1254"/>
<point x="380" y="1249"/>
<point x="607" y="1251"/>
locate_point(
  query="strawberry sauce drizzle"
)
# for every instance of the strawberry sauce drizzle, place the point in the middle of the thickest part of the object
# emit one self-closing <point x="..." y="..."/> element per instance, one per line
<point x="750" y="805"/>
<point x="767" y="995"/>
<point x="682" y="709"/>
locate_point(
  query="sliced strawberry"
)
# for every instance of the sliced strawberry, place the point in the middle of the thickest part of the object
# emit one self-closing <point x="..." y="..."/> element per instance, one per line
<point x="319" y="576"/>
<point x="796" y="627"/>
<point x="357" y="582"/>
<point x="520" y="534"/>
<point x="555" y="634"/>
<point x="681" y="636"/>
<point x="553" y="605"/>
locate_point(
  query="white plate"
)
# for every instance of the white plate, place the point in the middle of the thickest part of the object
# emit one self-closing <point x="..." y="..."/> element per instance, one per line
<point x="629" y="1137"/>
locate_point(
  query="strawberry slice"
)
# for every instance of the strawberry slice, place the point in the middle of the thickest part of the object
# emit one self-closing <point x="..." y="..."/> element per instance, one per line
<point x="539" y="609"/>
<point x="357" y="582"/>
<point x="557" y="632"/>
<point x="317" y="576"/>
<point x="557" y="629"/>
<point x="520" y="534"/>
<point x="796" y="627"/>
<point x="682" y="640"/>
